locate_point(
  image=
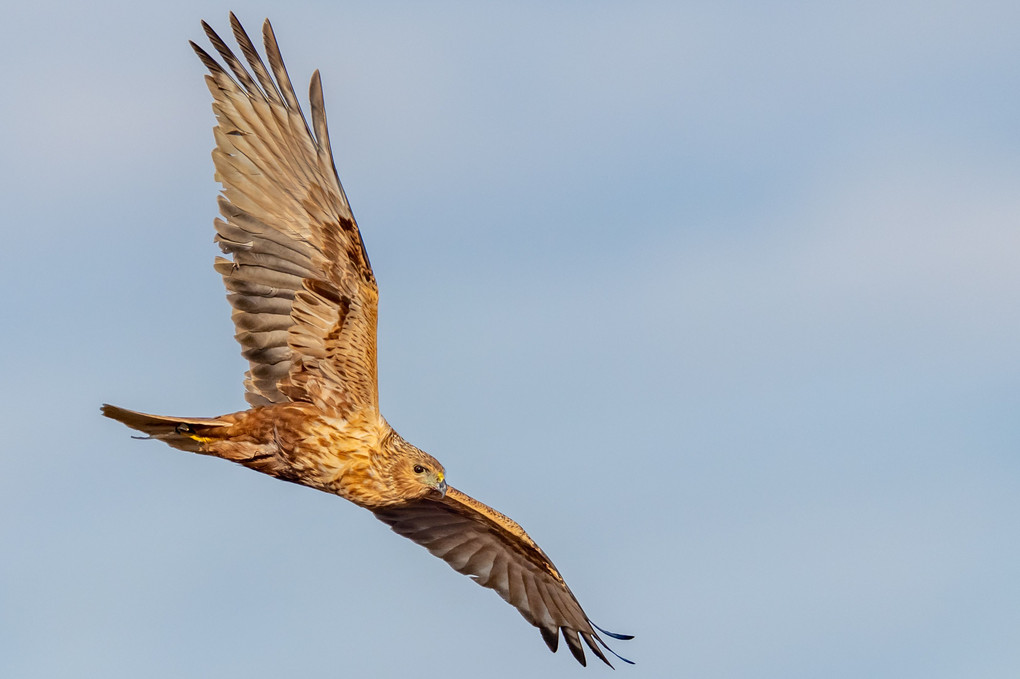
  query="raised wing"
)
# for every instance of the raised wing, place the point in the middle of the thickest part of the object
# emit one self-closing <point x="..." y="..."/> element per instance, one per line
<point x="478" y="541"/>
<point x="304" y="296"/>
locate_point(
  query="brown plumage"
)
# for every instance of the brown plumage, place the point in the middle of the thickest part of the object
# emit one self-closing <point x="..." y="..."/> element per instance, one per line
<point x="305" y="301"/>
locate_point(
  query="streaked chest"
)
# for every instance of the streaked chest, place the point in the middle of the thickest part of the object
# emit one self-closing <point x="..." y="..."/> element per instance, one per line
<point x="338" y="456"/>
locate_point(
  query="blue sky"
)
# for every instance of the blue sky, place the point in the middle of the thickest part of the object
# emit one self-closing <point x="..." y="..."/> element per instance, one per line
<point x="718" y="300"/>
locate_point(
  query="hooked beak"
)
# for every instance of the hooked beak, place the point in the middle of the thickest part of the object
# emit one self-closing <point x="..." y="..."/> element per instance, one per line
<point x="441" y="487"/>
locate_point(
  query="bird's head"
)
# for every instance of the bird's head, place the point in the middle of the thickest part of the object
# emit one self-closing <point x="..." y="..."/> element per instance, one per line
<point x="418" y="474"/>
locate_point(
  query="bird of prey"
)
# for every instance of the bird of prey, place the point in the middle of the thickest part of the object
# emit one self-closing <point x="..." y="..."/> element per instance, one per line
<point x="304" y="304"/>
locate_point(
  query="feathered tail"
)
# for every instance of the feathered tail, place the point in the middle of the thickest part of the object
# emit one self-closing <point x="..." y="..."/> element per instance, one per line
<point x="184" y="433"/>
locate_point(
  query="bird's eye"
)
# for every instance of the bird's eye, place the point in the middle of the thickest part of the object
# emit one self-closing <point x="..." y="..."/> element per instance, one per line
<point x="418" y="469"/>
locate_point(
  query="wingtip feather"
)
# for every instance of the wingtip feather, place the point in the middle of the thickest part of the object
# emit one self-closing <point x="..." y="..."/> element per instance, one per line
<point x="551" y="637"/>
<point x="614" y="635"/>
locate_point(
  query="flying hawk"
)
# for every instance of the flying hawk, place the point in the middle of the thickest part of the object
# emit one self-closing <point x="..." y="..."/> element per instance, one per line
<point x="305" y="304"/>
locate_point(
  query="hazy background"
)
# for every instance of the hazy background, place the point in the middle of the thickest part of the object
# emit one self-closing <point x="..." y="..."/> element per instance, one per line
<point x="718" y="300"/>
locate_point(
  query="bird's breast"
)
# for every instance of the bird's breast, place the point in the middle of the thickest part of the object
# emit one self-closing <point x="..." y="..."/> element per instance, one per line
<point x="341" y="456"/>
